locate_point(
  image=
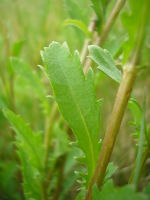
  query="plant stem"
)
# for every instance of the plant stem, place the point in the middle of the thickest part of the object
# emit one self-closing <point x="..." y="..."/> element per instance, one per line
<point x="123" y="94"/>
<point x="106" y="30"/>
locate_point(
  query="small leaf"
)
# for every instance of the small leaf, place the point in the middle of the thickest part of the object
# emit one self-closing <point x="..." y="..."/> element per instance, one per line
<point x="105" y="62"/>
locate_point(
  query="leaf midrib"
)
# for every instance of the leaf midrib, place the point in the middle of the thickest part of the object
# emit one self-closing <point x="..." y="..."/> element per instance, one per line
<point x="82" y="117"/>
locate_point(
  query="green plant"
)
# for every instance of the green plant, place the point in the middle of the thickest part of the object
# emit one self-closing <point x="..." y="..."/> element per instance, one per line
<point x="68" y="150"/>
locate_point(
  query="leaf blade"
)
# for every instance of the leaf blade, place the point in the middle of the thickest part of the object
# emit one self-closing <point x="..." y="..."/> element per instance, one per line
<point x="75" y="96"/>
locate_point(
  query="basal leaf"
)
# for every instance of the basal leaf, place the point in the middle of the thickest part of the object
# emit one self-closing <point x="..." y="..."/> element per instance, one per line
<point x="105" y="62"/>
<point x="31" y="152"/>
<point x="76" y="99"/>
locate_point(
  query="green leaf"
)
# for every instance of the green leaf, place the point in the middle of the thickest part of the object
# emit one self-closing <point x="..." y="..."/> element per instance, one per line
<point x="76" y="99"/>
<point x="109" y="192"/>
<point x="105" y="62"/>
<point x="79" y="24"/>
<point x="31" y="152"/>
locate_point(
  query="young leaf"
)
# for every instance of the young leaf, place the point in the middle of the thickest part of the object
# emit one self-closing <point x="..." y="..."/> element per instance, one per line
<point x="76" y="99"/>
<point x="31" y="152"/>
<point x="105" y="62"/>
<point x="110" y="192"/>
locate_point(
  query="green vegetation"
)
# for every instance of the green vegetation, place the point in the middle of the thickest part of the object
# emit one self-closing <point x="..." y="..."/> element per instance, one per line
<point x="66" y="132"/>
